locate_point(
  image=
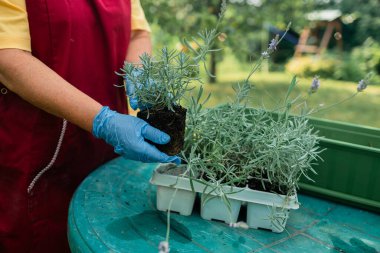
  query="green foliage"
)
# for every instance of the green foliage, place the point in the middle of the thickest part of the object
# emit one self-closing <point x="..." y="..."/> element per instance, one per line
<point x="367" y="20"/>
<point x="367" y="56"/>
<point x="348" y="69"/>
<point x="162" y="81"/>
<point x="246" y="22"/>
<point x="308" y="66"/>
<point x="349" y="66"/>
<point x="232" y="143"/>
<point x="181" y="17"/>
<point x="203" y="49"/>
<point x="362" y="59"/>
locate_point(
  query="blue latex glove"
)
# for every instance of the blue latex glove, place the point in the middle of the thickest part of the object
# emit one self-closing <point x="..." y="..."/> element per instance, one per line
<point x="127" y="135"/>
<point x="133" y="99"/>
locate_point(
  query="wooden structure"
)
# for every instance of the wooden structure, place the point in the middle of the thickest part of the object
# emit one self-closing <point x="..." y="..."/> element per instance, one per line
<point x="311" y="40"/>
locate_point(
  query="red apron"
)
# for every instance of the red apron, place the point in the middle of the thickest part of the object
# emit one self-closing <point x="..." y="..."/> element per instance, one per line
<point x="85" y="42"/>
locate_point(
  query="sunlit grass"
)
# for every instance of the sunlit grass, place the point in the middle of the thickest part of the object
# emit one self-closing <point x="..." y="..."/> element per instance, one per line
<point x="271" y="87"/>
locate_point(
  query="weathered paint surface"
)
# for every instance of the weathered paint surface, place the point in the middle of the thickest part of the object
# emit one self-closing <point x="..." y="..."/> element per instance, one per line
<point x="114" y="211"/>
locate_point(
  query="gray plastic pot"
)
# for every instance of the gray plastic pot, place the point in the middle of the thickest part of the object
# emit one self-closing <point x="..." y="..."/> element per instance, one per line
<point x="173" y="187"/>
<point x="216" y="209"/>
<point x="267" y="217"/>
<point x="264" y="209"/>
<point x="183" y="200"/>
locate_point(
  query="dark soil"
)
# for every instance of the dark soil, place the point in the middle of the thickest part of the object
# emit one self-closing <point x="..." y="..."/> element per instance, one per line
<point x="172" y="123"/>
<point x="264" y="185"/>
<point x="172" y="169"/>
<point x="257" y="185"/>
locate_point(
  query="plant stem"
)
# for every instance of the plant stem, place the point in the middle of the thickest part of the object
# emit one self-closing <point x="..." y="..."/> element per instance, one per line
<point x="168" y="215"/>
<point x="337" y="103"/>
<point x="258" y="64"/>
<point x="254" y="69"/>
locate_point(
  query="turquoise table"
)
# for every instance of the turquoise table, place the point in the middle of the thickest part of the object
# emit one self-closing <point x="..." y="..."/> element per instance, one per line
<point x="114" y="211"/>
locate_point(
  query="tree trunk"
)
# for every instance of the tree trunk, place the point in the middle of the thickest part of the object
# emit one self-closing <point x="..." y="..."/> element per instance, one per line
<point x="213" y="56"/>
<point x="212" y="79"/>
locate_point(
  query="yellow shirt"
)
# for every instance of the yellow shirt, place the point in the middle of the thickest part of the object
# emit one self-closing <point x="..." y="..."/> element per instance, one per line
<point x="14" y="26"/>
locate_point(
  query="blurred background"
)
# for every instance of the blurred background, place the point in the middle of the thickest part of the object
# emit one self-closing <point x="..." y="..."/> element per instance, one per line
<point x="338" y="40"/>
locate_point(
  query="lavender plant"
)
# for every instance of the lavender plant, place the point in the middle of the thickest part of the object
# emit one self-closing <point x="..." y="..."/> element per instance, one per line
<point x="270" y="150"/>
<point x="163" y="80"/>
<point x="265" y="149"/>
<point x="234" y="145"/>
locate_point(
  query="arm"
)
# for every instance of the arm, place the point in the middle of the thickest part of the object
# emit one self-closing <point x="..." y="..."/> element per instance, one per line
<point x="39" y="85"/>
<point x="36" y="83"/>
<point x="140" y="43"/>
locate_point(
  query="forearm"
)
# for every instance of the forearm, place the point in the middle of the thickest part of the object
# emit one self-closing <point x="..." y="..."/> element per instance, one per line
<point x="32" y="80"/>
<point x="140" y="43"/>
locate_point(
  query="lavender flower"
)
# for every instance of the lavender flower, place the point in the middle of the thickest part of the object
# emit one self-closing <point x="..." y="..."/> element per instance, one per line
<point x="315" y="84"/>
<point x="271" y="48"/>
<point x="265" y="54"/>
<point x="273" y="44"/>
<point x="362" y="85"/>
<point x="163" y="247"/>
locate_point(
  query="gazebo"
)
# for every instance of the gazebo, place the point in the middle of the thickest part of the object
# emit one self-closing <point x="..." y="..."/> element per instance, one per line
<point x="324" y="25"/>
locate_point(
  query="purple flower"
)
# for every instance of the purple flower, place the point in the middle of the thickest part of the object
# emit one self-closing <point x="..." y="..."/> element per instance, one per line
<point x="362" y="85"/>
<point x="315" y="84"/>
<point x="273" y="45"/>
<point x="271" y="48"/>
<point x="265" y="54"/>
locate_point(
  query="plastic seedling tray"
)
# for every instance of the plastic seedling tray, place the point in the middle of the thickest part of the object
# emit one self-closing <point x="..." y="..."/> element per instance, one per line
<point x="216" y="209"/>
<point x="173" y="187"/>
<point x="183" y="200"/>
<point x="264" y="209"/>
<point x="267" y="217"/>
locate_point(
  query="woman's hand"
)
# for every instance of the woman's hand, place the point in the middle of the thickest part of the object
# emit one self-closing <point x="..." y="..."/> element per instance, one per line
<point x="127" y="135"/>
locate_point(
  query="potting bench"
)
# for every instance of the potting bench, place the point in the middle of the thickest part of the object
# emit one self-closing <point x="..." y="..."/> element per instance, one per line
<point x="114" y="211"/>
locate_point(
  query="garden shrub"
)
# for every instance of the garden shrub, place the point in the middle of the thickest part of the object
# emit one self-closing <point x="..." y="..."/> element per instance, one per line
<point x="349" y="69"/>
<point x="347" y="66"/>
<point x="309" y="66"/>
<point x="367" y="56"/>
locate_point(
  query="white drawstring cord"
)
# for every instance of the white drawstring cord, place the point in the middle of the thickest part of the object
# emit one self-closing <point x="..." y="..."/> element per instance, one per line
<point x="52" y="161"/>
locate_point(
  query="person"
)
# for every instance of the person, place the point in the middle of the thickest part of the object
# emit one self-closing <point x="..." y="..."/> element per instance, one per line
<point x="61" y="113"/>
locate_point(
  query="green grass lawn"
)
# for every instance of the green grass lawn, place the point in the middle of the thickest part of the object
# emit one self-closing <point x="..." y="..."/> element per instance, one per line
<point x="271" y="87"/>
